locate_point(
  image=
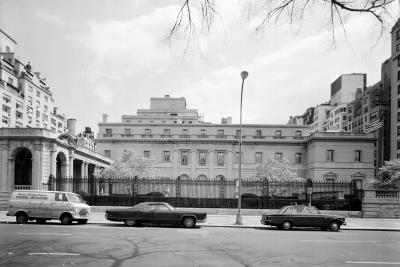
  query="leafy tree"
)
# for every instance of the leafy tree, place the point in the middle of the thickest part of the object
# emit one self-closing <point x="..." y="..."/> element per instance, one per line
<point x="130" y="166"/>
<point x="389" y="175"/>
<point x="196" y="17"/>
<point x="278" y="172"/>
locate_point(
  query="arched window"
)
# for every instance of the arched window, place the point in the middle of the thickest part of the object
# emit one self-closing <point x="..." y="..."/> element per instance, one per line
<point x="202" y="177"/>
<point x="330" y="177"/>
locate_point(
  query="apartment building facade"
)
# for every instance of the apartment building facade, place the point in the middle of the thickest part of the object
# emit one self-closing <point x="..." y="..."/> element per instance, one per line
<point x="395" y="91"/>
<point x="196" y="149"/>
<point x="26" y="98"/>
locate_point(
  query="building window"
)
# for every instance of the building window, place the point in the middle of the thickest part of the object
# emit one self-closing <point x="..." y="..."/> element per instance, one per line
<point x="147" y="131"/>
<point x="237" y="132"/>
<point x="46" y="98"/>
<point x="298" y="133"/>
<point x="278" y="133"/>
<point x="278" y="155"/>
<point x="6" y="98"/>
<point x="167" y="131"/>
<point x="357" y="155"/>
<point x="202" y="158"/>
<point x="184" y="157"/>
<point x="185" y="131"/>
<point x="329" y="155"/>
<point x="10" y="80"/>
<point x="146" y="154"/>
<point x="398" y="75"/>
<point x="259" y="157"/>
<point x="258" y="133"/>
<point x="30" y="100"/>
<point x="128" y="132"/>
<point x="108" y="132"/>
<point x="167" y="157"/>
<point x="203" y="131"/>
<point x="107" y="153"/>
<point x="4" y="120"/>
<point x="220" y="159"/>
<point x="38" y="93"/>
<point x="220" y="132"/>
<point x="298" y="158"/>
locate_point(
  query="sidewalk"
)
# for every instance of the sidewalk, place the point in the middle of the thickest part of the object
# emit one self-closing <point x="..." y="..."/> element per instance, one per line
<point x="254" y="222"/>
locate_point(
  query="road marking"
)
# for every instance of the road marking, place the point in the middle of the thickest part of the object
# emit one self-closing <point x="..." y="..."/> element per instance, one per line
<point x="54" y="253"/>
<point x="373" y="262"/>
<point x="42" y="234"/>
<point x="340" y="241"/>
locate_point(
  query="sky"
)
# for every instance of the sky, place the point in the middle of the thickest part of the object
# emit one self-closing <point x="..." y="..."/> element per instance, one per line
<point x="110" y="57"/>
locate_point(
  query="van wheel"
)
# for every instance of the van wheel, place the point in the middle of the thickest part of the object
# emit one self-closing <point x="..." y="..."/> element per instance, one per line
<point x="82" y="221"/>
<point x="21" y="217"/>
<point x="41" y="221"/>
<point x="66" y="219"/>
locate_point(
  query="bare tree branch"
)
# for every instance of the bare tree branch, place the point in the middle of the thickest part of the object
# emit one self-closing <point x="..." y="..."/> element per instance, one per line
<point x="185" y="24"/>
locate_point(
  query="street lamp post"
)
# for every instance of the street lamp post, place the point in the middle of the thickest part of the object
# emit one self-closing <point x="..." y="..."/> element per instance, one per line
<point x="244" y="75"/>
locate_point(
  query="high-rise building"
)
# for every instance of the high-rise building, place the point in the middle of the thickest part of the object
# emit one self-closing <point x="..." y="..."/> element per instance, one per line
<point x="26" y="100"/>
<point x="395" y="91"/>
<point x="344" y="88"/>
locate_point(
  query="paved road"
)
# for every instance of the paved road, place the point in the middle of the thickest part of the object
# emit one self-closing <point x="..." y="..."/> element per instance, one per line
<point x="116" y="245"/>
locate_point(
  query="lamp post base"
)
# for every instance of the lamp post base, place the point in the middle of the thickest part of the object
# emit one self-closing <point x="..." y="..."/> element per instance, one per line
<point x="238" y="219"/>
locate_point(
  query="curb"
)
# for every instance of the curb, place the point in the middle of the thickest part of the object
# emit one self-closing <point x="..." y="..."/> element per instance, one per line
<point x="250" y="227"/>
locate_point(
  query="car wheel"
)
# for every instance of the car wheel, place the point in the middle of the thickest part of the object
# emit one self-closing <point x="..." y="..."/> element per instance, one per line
<point x="21" y="217"/>
<point x="286" y="225"/>
<point x="130" y="222"/>
<point x="82" y="221"/>
<point x="189" y="222"/>
<point x="334" y="226"/>
<point x="41" y="221"/>
<point x="66" y="219"/>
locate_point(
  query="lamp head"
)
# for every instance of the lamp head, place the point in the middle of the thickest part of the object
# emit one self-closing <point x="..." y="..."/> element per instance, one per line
<point x="244" y="74"/>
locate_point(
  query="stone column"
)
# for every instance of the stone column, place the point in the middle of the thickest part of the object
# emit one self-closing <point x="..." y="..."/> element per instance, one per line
<point x="5" y="168"/>
<point x="53" y="160"/>
<point x="229" y="165"/>
<point x="86" y="169"/>
<point x="36" y="167"/>
<point x="211" y="172"/>
<point x="71" y="164"/>
<point x="82" y="169"/>
<point x="175" y="163"/>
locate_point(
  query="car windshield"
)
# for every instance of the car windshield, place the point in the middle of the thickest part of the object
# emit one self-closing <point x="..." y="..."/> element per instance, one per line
<point x="169" y="206"/>
<point x="284" y="209"/>
<point x="75" y="198"/>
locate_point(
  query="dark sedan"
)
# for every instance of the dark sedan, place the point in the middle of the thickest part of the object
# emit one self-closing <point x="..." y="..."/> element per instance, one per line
<point x="302" y="216"/>
<point x="156" y="213"/>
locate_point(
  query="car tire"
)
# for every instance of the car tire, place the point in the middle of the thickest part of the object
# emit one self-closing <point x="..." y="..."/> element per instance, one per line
<point x="286" y="225"/>
<point x="21" y="218"/>
<point x="334" y="226"/>
<point x="66" y="219"/>
<point x="82" y="221"/>
<point x="189" y="222"/>
<point x="41" y="221"/>
<point x="130" y="222"/>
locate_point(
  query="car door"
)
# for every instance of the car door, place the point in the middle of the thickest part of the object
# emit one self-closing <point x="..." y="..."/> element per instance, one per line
<point x="59" y="205"/>
<point x="163" y="214"/>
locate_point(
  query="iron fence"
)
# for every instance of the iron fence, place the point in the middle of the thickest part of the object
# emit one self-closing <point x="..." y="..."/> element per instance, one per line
<point x="205" y="193"/>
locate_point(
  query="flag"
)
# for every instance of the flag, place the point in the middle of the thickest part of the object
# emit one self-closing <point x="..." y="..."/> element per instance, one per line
<point x="373" y="126"/>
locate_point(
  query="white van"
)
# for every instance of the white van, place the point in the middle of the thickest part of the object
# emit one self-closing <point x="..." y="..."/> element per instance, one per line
<point x="47" y="205"/>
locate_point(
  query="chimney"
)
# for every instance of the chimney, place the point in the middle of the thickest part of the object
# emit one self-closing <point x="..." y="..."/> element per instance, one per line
<point x="71" y="126"/>
<point x="105" y="116"/>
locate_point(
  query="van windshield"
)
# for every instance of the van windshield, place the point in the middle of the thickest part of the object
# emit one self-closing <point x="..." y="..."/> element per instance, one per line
<point x="75" y="198"/>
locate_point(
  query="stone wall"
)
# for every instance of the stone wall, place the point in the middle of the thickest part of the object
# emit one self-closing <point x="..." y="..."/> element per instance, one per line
<point x="381" y="204"/>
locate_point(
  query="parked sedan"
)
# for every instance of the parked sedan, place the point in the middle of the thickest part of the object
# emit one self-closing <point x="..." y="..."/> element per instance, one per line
<point x="157" y="213"/>
<point x="302" y="216"/>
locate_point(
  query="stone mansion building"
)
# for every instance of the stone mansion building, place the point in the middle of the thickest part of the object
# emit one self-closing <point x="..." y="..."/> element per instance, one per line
<point x="182" y="144"/>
